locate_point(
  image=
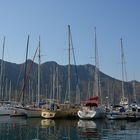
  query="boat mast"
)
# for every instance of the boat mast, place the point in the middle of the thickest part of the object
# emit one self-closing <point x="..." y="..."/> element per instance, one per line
<point x="96" y="66"/>
<point x="69" y="74"/>
<point x="1" y="72"/>
<point x="25" y="69"/>
<point x="97" y="86"/>
<point x="122" y="62"/>
<point x="57" y="84"/>
<point x="39" y="62"/>
<point x="53" y="82"/>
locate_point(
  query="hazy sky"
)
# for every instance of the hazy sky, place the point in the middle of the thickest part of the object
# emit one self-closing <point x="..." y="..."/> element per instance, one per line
<point x="49" y="19"/>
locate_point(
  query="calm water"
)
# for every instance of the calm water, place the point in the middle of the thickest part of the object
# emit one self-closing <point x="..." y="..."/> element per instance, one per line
<point x="41" y="129"/>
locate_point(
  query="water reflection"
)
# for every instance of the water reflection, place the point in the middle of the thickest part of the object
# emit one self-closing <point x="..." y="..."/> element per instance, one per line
<point x="121" y="129"/>
<point x="43" y="129"/>
<point x="47" y="123"/>
<point x="87" y="128"/>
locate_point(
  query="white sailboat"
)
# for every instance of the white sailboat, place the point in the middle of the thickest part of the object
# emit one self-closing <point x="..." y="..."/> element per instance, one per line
<point x="93" y="108"/>
<point x="87" y="111"/>
<point x="117" y="112"/>
<point x="120" y="111"/>
<point x="5" y="106"/>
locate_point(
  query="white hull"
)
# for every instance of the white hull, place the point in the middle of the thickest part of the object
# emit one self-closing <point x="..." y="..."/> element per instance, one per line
<point x="5" y="110"/>
<point x="86" y="113"/>
<point x="18" y="111"/>
<point x="92" y="113"/>
<point x="117" y="112"/>
<point x="116" y="115"/>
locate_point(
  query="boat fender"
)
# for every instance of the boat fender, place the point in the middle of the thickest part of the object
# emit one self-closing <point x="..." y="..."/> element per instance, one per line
<point x="15" y="111"/>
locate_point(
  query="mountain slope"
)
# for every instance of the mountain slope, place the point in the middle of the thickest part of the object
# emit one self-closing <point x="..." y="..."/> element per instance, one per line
<point x="53" y="76"/>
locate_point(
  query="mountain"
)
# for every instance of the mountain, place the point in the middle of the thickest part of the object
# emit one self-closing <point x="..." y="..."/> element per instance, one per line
<point x="54" y="80"/>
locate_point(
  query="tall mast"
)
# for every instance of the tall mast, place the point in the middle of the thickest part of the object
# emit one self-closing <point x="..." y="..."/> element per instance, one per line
<point x="25" y="69"/>
<point x="97" y="85"/>
<point x="96" y="66"/>
<point x="53" y="82"/>
<point x="69" y="74"/>
<point x="1" y="72"/>
<point x="122" y="62"/>
<point x="39" y="62"/>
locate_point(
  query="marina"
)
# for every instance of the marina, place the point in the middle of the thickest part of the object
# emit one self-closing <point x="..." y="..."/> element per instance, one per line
<point x="65" y="115"/>
<point x="69" y="70"/>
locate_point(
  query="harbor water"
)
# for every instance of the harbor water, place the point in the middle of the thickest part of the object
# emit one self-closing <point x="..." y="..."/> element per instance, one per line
<point x="18" y="128"/>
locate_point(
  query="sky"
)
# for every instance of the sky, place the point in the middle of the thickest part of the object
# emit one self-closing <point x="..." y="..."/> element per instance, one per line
<point x="49" y="19"/>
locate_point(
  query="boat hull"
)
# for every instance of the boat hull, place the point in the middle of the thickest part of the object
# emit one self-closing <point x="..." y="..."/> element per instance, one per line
<point x="91" y="113"/>
<point x="86" y="115"/>
<point x="33" y="112"/>
<point x="116" y="115"/>
<point x="47" y="114"/>
<point x="59" y="113"/>
<point x="5" y="110"/>
<point x="18" y="111"/>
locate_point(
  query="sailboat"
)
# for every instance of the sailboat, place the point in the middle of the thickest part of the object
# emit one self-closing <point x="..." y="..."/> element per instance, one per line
<point x="67" y="109"/>
<point x="5" y="106"/>
<point x="93" y="108"/>
<point x="120" y="111"/>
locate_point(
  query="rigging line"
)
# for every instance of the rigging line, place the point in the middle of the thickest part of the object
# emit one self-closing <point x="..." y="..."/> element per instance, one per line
<point x="76" y="71"/>
<point x="30" y="68"/>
